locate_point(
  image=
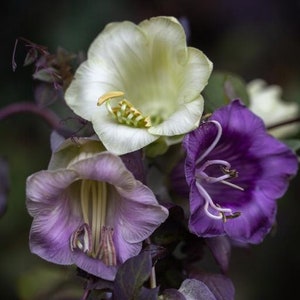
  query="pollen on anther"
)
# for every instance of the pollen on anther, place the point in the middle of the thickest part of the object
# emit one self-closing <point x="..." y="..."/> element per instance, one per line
<point x="109" y="95"/>
<point x="124" y="112"/>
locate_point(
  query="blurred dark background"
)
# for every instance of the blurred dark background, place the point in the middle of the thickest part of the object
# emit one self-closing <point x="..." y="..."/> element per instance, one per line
<point x="256" y="39"/>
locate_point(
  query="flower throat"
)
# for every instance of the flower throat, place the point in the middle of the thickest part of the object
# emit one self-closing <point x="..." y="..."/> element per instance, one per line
<point x="94" y="237"/>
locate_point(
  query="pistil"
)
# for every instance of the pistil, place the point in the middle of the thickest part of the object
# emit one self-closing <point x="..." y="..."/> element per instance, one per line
<point x="227" y="173"/>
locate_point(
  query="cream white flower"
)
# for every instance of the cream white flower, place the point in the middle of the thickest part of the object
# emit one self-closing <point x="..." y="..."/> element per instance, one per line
<point x="139" y="83"/>
<point x="266" y="102"/>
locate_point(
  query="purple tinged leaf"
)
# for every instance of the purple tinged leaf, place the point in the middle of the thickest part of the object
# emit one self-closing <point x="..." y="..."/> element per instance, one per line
<point x="4" y="184"/>
<point x="46" y="74"/>
<point x="220" y="248"/>
<point x="99" y="284"/>
<point x="31" y="57"/>
<point x="56" y="140"/>
<point x="134" y="163"/>
<point x="193" y="289"/>
<point x="96" y="295"/>
<point x="132" y="275"/>
<point x="173" y="294"/>
<point x="220" y="285"/>
<point x="157" y="252"/>
<point x="148" y="294"/>
<point x="46" y="94"/>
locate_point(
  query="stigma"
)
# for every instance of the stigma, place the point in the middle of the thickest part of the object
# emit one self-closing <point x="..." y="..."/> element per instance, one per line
<point x="124" y="112"/>
<point x="225" y="173"/>
<point x="95" y="236"/>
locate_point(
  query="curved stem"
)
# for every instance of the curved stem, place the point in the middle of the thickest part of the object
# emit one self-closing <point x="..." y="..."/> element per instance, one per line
<point x="27" y="107"/>
<point x="85" y="294"/>
<point x="287" y="122"/>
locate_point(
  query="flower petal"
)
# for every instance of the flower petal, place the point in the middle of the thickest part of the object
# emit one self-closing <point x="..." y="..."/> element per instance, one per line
<point x="255" y="222"/>
<point x="199" y="223"/>
<point x="117" y="138"/>
<point x="105" y="167"/>
<point x="113" y="59"/>
<point x="266" y="102"/>
<point x="48" y="201"/>
<point x="94" y="266"/>
<point x="168" y="41"/>
<point x="141" y="213"/>
<point x="42" y="188"/>
<point x="185" y="119"/>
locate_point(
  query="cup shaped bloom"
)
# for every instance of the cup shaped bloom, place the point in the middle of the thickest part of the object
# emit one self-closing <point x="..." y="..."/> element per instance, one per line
<point x="89" y="210"/>
<point x="151" y="66"/>
<point x="266" y="102"/>
<point x="235" y="171"/>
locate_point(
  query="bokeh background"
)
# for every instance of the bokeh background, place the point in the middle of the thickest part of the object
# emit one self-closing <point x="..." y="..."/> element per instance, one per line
<point x="253" y="38"/>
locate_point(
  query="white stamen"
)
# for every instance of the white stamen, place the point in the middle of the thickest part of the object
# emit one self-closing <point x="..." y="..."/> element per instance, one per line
<point x="227" y="174"/>
<point x="214" y="143"/>
<point x="215" y="162"/>
<point x="232" y="185"/>
<point x="209" y="202"/>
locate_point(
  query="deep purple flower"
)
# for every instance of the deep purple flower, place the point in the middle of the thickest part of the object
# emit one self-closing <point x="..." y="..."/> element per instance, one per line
<point x="235" y="171"/>
<point x="89" y="210"/>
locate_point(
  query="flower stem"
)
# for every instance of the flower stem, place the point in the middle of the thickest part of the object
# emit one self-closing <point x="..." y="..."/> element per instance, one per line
<point x="153" y="278"/>
<point x="27" y="107"/>
<point x="286" y="122"/>
<point x="85" y="294"/>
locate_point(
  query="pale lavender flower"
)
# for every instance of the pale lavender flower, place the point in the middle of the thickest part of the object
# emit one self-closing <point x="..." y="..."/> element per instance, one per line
<point x="89" y="210"/>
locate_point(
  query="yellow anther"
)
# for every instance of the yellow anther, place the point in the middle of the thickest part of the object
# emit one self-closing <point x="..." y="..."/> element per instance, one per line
<point x="108" y="96"/>
<point x="147" y="121"/>
<point x="125" y="113"/>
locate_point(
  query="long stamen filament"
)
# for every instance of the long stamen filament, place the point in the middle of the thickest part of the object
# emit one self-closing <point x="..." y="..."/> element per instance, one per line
<point x="84" y="202"/>
<point x="94" y="237"/>
<point x="232" y="185"/>
<point x="212" y="179"/>
<point x="222" y="178"/>
<point x="214" y="143"/>
<point x="227" y="174"/>
<point x="209" y="202"/>
<point x="97" y="200"/>
<point x="215" y="162"/>
<point x="101" y="212"/>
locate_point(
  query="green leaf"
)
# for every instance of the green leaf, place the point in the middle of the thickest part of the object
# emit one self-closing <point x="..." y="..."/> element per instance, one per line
<point x="222" y="88"/>
<point x="131" y="276"/>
